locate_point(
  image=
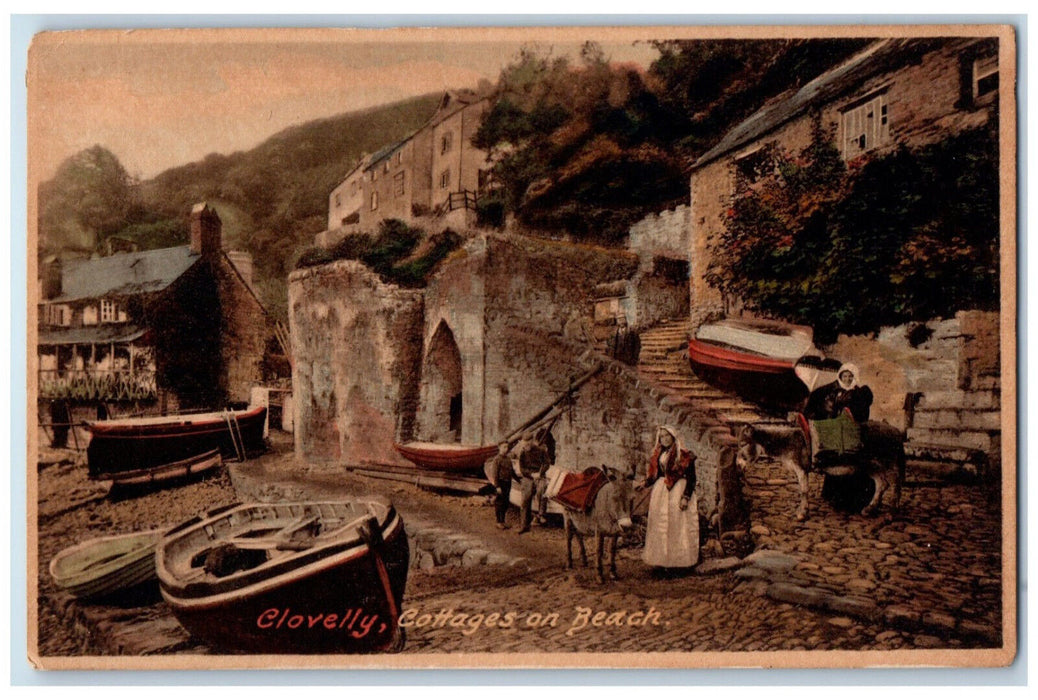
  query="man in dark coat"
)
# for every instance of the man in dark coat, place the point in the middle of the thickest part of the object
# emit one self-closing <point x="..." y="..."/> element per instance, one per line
<point x="533" y="465"/>
<point x="626" y="344"/>
<point x="503" y="472"/>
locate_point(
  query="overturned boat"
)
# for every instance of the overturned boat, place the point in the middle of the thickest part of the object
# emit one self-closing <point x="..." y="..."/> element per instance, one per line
<point x="105" y="565"/>
<point x="446" y="457"/>
<point x="770" y="362"/>
<point x="148" y="444"/>
<point x="296" y="578"/>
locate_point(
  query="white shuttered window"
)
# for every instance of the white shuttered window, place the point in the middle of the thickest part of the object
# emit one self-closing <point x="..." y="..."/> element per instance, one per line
<point x="865" y="127"/>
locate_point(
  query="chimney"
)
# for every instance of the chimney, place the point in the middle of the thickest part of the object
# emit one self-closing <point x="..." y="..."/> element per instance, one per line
<point x="242" y="261"/>
<point x="51" y="279"/>
<point x="205" y="230"/>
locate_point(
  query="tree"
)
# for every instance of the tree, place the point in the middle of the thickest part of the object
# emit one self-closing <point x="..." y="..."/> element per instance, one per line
<point x="90" y="196"/>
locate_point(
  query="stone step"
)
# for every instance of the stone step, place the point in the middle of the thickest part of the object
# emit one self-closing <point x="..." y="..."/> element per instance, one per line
<point x="958" y="419"/>
<point x="985" y="441"/>
<point x="933" y="400"/>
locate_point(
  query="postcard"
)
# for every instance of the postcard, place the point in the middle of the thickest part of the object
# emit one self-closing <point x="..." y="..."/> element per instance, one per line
<point x="574" y="347"/>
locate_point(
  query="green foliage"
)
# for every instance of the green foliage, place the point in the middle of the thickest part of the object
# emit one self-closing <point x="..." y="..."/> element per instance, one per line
<point x="314" y="256"/>
<point x="392" y="253"/>
<point x="589" y="149"/>
<point x="906" y="237"/>
<point x="166" y="233"/>
<point x="90" y="196"/>
<point x="415" y="273"/>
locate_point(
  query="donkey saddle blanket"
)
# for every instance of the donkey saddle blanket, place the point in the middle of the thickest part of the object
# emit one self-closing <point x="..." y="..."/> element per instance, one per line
<point x="576" y="490"/>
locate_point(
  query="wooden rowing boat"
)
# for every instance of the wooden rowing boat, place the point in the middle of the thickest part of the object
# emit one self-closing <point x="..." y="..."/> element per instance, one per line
<point x="446" y="457"/>
<point x="106" y="565"/>
<point x="315" y="577"/>
<point x="175" y="470"/>
<point x="759" y="360"/>
<point x="140" y="444"/>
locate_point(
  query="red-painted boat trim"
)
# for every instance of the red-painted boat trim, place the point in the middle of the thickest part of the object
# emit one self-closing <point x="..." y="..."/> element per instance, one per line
<point x="723" y="358"/>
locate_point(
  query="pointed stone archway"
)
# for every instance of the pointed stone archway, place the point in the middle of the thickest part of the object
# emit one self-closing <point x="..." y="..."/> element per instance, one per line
<point x="441" y="404"/>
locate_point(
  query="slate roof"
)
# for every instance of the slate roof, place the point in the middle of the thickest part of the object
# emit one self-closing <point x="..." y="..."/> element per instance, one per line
<point x="883" y="55"/>
<point x="104" y="333"/>
<point x="124" y="273"/>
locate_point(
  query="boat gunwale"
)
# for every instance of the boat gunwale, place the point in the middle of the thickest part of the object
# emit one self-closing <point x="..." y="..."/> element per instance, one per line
<point x="736" y="359"/>
<point x="113" y="426"/>
<point x="330" y="560"/>
<point x="169" y="575"/>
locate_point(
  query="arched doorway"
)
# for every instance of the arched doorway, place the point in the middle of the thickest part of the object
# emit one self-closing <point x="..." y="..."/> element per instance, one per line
<point x="442" y="407"/>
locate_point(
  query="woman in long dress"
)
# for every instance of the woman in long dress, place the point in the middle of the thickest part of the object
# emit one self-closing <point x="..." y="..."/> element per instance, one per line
<point x="672" y="535"/>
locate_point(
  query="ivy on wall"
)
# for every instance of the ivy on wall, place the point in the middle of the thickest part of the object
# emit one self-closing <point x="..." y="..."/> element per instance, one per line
<point x="848" y="248"/>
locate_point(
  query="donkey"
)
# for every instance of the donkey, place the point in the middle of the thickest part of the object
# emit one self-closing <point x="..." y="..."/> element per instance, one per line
<point x="608" y="517"/>
<point x="882" y="458"/>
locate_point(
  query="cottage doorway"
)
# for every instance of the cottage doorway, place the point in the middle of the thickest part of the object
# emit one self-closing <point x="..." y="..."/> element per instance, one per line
<point x="442" y="405"/>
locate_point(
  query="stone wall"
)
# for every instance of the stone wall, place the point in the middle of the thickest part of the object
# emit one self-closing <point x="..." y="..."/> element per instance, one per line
<point x="952" y="373"/>
<point x="356" y="344"/>
<point x="455" y="308"/>
<point x="652" y="296"/>
<point x="246" y="330"/>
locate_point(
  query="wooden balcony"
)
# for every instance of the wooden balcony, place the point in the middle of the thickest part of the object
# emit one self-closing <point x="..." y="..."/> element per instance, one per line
<point x="99" y="385"/>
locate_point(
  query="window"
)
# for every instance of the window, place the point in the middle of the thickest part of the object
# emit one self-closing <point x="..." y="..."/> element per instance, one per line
<point x="338" y="199"/>
<point x="445" y="142"/>
<point x="398" y="183"/>
<point x="754" y="166"/>
<point x="374" y="201"/>
<point x="108" y="311"/>
<point x="445" y="179"/>
<point x="399" y="157"/>
<point x="57" y="315"/>
<point x="985" y="76"/>
<point x="865" y="127"/>
<point x="374" y="174"/>
<point x="90" y="315"/>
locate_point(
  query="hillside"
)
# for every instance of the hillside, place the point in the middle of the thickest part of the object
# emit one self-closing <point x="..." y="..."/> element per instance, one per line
<point x="272" y="199"/>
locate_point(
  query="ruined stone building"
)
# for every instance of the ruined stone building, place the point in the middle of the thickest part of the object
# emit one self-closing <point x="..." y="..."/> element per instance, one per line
<point x="153" y="329"/>
<point x="434" y="171"/>
<point x="485" y="346"/>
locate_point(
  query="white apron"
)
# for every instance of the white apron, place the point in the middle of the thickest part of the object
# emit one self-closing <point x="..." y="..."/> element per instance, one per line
<point x="672" y="535"/>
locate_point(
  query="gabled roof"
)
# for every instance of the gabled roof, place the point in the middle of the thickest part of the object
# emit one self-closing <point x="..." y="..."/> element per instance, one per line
<point x="124" y="273"/>
<point x="882" y="56"/>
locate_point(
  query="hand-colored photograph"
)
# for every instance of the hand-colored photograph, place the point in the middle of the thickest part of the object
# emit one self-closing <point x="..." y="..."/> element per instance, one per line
<point x="573" y="347"/>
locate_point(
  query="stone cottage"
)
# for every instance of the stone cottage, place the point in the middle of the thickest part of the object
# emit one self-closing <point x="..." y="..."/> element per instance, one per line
<point x="942" y="382"/>
<point x="896" y="92"/>
<point x="153" y="330"/>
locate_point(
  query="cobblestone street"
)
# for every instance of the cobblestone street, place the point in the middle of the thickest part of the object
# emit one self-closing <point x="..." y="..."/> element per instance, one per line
<point x="928" y="578"/>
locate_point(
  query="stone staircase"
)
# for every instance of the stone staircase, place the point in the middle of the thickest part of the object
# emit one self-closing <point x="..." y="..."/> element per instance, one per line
<point x="664" y="359"/>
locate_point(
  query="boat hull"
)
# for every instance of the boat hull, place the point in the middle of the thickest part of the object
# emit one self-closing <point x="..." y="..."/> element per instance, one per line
<point x="769" y="381"/>
<point x="325" y="600"/>
<point x="447" y="458"/>
<point x="106" y="565"/>
<point x="121" y="446"/>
